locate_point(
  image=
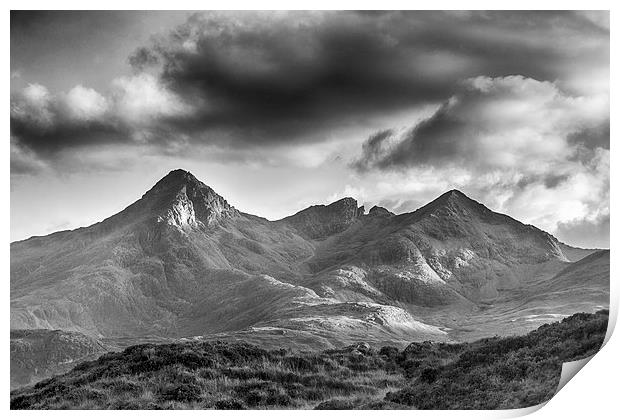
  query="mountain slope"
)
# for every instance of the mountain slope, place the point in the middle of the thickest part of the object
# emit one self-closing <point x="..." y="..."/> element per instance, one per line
<point x="147" y="265"/>
<point x="449" y="251"/>
<point x="594" y="267"/>
<point x="178" y="262"/>
<point x="182" y="262"/>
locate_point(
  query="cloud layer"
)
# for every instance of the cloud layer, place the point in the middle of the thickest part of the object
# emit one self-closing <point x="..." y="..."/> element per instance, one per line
<point x="263" y="79"/>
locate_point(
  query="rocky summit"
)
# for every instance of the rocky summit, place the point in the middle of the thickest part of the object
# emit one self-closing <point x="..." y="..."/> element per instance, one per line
<point x="319" y="222"/>
<point x="181" y="263"/>
<point x="181" y="200"/>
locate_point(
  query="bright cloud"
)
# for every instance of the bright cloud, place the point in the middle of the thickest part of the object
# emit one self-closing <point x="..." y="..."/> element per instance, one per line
<point x="85" y="104"/>
<point x="142" y="98"/>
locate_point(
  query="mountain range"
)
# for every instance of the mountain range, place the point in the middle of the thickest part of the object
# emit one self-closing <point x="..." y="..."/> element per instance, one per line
<point x="181" y="263"/>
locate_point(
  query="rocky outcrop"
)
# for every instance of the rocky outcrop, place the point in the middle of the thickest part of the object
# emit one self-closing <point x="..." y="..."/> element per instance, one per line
<point x="179" y="199"/>
<point x="318" y="222"/>
<point x="380" y="212"/>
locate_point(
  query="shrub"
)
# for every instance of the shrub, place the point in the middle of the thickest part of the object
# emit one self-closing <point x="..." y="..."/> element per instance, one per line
<point x="258" y="394"/>
<point x="22" y="402"/>
<point x="80" y="395"/>
<point x="193" y="361"/>
<point x="181" y="392"/>
<point x="298" y="363"/>
<point x="429" y="375"/>
<point x="389" y="352"/>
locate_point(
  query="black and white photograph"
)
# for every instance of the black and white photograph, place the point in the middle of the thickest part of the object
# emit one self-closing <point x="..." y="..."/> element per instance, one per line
<point x="306" y="210"/>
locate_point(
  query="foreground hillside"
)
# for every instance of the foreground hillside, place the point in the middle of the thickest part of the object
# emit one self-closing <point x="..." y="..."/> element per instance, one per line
<point x="493" y="373"/>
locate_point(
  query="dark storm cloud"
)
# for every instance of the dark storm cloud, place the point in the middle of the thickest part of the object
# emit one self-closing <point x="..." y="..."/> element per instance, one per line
<point x="43" y="123"/>
<point x="276" y="77"/>
<point x="65" y="134"/>
<point x="24" y="21"/>
<point x="142" y="58"/>
<point x="138" y="110"/>
<point x="239" y="79"/>
<point x="593" y="136"/>
<point x="432" y="141"/>
<point x="23" y="160"/>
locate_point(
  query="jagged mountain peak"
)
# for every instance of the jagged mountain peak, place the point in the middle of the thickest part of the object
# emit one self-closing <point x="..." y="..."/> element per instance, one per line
<point x="338" y="206"/>
<point x="180" y="199"/>
<point x="452" y="203"/>
<point x="453" y="196"/>
<point x="178" y="178"/>
<point x="343" y="203"/>
<point x="453" y="215"/>
<point x="320" y="221"/>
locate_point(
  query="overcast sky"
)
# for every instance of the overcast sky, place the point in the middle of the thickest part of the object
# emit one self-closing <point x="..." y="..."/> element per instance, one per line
<point x="278" y="111"/>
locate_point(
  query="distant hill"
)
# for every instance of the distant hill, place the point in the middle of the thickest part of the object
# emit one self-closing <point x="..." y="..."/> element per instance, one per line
<point x="39" y="354"/>
<point x="494" y="373"/>
<point x="182" y="262"/>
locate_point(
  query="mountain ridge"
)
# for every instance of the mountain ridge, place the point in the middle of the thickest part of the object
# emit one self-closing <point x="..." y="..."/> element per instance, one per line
<point x="182" y="262"/>
<point x="177" y="177"/>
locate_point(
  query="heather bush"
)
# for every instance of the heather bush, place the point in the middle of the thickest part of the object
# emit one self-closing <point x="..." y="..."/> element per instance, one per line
<point x="498" y="373"/>
<point x="183" y="392"/>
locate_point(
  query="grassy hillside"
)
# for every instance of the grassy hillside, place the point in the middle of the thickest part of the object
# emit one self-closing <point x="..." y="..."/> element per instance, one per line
<point x="489" y="374"/>
<point x="498" y="373"/>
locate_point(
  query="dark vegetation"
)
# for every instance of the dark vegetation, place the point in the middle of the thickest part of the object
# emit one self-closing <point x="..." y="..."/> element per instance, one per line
<point x="492" y="373"/>
<point x="497" y="373"/>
